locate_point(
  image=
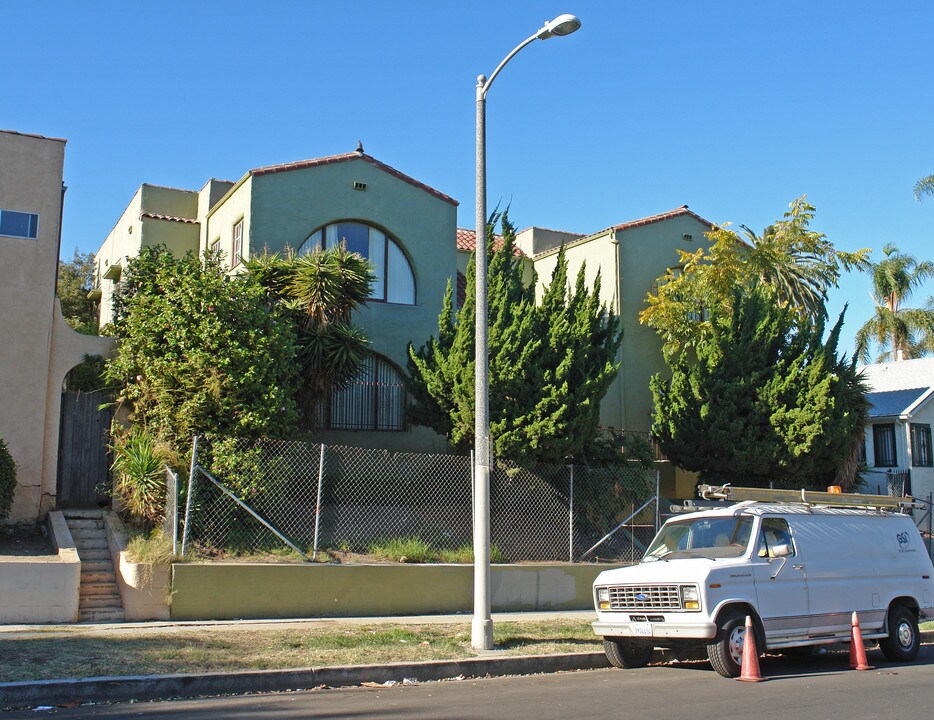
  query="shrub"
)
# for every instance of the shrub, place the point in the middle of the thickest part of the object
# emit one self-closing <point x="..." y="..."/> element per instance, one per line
<point x="139" y="465"/>
<point x="154" y="548"/>
<point x="7" y="480"/>
<point x="407" y="550"/>
<point x="464" y="555"/>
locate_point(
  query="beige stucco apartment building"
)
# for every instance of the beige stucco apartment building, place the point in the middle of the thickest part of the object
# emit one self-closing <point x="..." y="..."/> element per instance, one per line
<point x="38" y="347"/>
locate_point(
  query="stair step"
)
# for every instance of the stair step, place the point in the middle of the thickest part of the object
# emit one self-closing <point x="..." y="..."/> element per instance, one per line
<point x="95" y="602"/>
<point x="94" y="555"/>
<point x="97" y="566"/>
<point x="102" y="615"/>
<point x="97" y="577"/>
<point x="82" y="523"/>
<point x="97" y="589"/>
<point x="82" y="532"/>
<point x="89" y="544"/>
<point x="84" y="515"/>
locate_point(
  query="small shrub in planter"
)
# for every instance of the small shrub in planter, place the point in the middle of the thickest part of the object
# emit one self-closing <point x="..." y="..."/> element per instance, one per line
<point x="7" y="480"/>
<point x="139" y="470"/>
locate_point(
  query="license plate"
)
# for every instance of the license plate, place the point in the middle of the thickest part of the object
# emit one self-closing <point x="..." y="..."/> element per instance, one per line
<point x="641" y="629"/>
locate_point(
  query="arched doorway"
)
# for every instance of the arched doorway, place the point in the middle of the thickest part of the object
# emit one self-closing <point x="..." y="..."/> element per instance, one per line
<point x="83" y="455"/>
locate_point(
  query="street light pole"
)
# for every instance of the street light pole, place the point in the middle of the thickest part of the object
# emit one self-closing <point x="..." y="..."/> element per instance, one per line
<point x="482" y="626"/>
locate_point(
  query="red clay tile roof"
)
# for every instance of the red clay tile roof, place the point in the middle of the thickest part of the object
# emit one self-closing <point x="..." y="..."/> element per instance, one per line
<point x="467" y="241"/>
<point x="683" y="210"/>
<point x="173" y="218"/>
<point x="347" y="157"/>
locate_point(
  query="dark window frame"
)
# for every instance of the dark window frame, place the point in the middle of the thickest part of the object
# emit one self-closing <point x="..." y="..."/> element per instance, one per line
<point x="380" y="388"/>
<point x="884" y="446"/>
<point x="387" y="239"/>
<point x="921" y="455"/>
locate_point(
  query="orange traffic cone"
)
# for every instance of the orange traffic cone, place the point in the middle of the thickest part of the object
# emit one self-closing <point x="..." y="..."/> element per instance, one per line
<point x="750" y="669"/>
<point x="858" y="659"/>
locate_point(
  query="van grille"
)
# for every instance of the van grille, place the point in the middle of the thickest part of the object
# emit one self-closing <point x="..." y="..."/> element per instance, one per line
<point x="645" y="597"/>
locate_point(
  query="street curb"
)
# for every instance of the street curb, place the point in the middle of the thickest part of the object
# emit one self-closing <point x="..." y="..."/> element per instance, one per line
<point x="16" y="695"/>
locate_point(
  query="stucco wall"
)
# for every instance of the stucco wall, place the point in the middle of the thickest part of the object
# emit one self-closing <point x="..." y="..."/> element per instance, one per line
<point x="42" y="589"/>
<point x="40" y="348"/>
<point x="287" y="207"/>
<point x="219" y="223"/>
<point x="233" y="590"/>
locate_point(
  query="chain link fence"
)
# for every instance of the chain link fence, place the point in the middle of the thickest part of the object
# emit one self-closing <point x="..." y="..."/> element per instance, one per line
<point x="267" y="496"/>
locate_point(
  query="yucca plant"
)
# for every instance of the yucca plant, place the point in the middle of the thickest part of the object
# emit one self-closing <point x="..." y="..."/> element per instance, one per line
<point x="139" y="469"/>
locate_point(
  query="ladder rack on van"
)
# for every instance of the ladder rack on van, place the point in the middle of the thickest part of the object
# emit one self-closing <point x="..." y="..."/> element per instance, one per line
<point x="805" y="497"/>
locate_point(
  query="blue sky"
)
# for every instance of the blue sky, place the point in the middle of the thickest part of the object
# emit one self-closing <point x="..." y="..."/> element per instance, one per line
<point x="734" y="108"/>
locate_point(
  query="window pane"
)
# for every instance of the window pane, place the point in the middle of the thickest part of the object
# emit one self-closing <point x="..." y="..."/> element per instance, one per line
<point x="883" y="441"/>
<point x="19" y="224"/>
<point x="377" y="257"/>
<point x="400" y="283"/>
<point x="356" y="236"/>
<point x="332" y="239"/>
<point x="921" y="446"/>
<point x="311" y="244"/>
<point x="374" y="401"/>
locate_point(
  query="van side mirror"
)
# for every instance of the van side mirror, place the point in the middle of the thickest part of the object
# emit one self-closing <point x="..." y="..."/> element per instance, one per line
<point x="783" y="550"/>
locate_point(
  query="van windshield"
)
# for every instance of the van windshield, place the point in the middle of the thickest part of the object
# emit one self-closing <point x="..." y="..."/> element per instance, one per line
<point x="707" y="537"/>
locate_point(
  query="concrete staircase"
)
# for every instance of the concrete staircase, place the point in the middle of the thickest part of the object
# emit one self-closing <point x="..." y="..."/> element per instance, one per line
<point x="99" y="596"/>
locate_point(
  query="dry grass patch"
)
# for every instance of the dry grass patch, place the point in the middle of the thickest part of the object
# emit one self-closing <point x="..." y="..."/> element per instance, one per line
<point x="229" y="648"/>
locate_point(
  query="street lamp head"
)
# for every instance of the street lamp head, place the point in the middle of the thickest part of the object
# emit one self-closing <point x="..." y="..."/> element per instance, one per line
<point x="560" y="26"/>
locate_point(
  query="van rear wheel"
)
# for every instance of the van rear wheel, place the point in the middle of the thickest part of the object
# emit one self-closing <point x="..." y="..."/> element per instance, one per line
<point x="903" y="642"/>
<point x="625" y="654"/>
<point x="725" y="652"/>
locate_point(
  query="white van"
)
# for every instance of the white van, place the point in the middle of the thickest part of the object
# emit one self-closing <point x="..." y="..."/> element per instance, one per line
<point x="798" y="563"/>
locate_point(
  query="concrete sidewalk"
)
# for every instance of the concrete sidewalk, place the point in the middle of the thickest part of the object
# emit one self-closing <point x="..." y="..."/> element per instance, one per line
<point x="156" y="687"/>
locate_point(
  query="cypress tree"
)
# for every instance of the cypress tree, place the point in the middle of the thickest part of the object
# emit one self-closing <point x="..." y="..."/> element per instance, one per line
<point x="550" y="364"/>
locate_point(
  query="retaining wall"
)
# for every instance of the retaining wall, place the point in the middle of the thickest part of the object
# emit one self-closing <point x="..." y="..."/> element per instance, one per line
<point x="223" y="591"/>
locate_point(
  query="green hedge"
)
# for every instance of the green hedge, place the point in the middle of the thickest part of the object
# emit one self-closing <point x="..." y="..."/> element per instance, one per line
<point x="7" y="480"/>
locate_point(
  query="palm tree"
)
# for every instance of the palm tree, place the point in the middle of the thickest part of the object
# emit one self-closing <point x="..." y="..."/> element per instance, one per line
<point x="924" y="186"/>
<point x="319" y="291"/>
<point x="797" y="263"/>
<point x="906" y="332"/>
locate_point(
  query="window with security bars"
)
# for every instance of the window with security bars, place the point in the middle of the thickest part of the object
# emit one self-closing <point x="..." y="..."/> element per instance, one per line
<point x="921" y="446"/>
<point x="883" y="445"/>
<point x="375" y="400"/>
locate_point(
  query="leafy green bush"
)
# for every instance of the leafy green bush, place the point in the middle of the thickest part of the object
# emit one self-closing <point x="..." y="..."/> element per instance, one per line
<point x="7" y="480"/>
<point x="139" y="466"/>
<point x="201" y="352"/>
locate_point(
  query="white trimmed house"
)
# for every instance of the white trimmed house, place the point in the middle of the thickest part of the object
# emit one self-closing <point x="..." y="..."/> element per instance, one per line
<point x="898" y="438"/>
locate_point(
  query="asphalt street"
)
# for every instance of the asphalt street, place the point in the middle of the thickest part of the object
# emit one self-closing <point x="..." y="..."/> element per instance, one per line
<point x="806" y="689"/>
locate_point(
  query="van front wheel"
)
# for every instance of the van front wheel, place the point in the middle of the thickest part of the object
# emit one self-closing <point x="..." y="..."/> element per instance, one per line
<point x="624" y="654"/>
<point x="903" y="642"/>
<point x="725" y="652"/>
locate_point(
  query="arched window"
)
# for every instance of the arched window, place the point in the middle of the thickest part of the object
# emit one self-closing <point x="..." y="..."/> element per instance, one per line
<point x="375" y="400"/>
<point x="395" y="281"/>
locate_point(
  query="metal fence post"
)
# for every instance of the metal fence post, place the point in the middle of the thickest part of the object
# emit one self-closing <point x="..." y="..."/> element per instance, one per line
<point x="191" y="489"/>
<point x="571" y="515"/>
<point x="314" y="552"/>
<point x="658" y="501"/>
<point x="170" y="524"/>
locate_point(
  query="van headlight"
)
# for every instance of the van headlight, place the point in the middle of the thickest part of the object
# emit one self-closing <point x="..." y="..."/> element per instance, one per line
<point x="690" y="598"/>
<point x="603" y="598"/>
